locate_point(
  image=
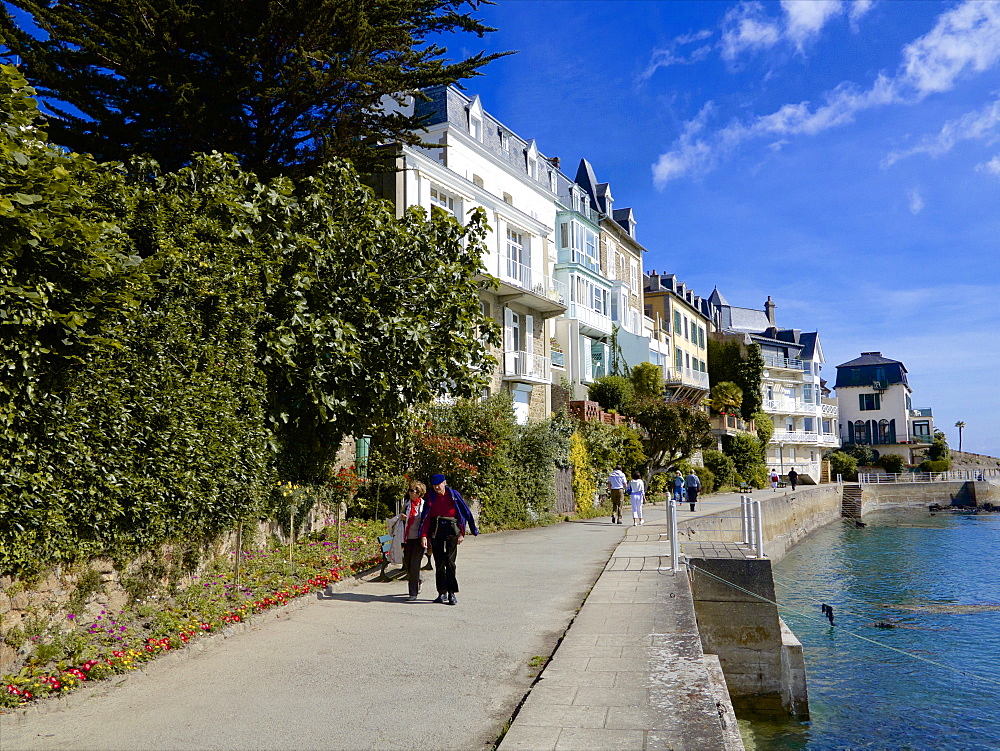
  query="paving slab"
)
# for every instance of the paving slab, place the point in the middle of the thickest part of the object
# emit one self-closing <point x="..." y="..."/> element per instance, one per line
<point x="638" y="630"/>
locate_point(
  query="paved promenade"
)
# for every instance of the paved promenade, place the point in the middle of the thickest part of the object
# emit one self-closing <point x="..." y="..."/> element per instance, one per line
<point x="362" y="668"/>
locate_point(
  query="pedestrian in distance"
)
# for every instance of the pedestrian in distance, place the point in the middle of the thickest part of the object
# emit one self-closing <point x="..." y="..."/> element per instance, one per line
<point x="616" y="490"/>
<point x="443" y="524"/>
<point x="774" y="480"/>
<point x="692" y="483"/>
<point x="413" y="551"/>
<point x="678" y="486"/>
<point x="636" y="495"/>
<point x="793" y="478"/>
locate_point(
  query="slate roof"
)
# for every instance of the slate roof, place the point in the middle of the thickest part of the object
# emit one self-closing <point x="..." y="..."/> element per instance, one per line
<point x="808" y="342"/>
<point x="870" y="358"/>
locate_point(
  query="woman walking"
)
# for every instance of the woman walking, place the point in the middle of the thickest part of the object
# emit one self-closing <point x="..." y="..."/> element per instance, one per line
<point x="636" y="494"/>
<point x="413" y="551"/>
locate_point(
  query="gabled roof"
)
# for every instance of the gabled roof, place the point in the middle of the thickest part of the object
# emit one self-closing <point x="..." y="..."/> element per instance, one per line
<point x="586" y="179"/>
<point x="716" y="298"/>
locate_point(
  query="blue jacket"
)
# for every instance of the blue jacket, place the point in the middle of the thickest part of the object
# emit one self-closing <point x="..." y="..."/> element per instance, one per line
<point x="464" y="514"/>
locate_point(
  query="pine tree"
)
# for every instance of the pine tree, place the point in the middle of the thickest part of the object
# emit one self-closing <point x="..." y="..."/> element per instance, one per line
<point x="284" y="86"/>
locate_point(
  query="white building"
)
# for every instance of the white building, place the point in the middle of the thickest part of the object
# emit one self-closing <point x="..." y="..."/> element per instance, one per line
<point x="794" y="394"/>
<point x="876" y="407"/>
<point x="481" y="162"/>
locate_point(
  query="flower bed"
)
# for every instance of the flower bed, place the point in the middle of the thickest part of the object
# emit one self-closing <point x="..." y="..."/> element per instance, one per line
<point x="117" y="642"/>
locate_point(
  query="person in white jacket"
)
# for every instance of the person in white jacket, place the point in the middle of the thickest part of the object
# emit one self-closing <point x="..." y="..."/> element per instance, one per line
<point x="637" y="495"/>
<point x="408" y="531"/>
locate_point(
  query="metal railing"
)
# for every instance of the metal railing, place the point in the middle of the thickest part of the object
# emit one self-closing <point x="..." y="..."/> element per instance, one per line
<point x="558" y="359"/>
<point x="526" y="365"/>
<point x="783" y="362"/>
<point x="789" y="406"/>
<point x="795" y="436"/>
<point x="830" y="409"/>
<point x="528" y="278"/>
<point x="590" y="317"/>
<point x="751" y="531"/>
<point x="687" y="376"/>
<point x="879" y="478"/>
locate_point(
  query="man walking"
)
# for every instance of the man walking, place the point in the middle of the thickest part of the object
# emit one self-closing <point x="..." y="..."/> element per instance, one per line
<point x="793" y="478"/>
<point x="693" y="484"/>
<point x="444" y="521"/>
<point x="616" y="489"/>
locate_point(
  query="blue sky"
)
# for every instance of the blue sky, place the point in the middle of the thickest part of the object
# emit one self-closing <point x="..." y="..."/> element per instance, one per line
<point x="842" y="157"/>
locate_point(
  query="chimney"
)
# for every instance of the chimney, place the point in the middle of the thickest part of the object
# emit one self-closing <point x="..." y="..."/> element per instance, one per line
<point x="769" y="307"/>
<point x="554" y="161"/>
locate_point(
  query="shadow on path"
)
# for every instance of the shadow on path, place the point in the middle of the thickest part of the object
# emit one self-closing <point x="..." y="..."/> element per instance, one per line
<point x="361" y="597"/>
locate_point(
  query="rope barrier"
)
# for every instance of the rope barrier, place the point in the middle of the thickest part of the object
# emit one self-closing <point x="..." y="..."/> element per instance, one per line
<point x="851" y="633"/>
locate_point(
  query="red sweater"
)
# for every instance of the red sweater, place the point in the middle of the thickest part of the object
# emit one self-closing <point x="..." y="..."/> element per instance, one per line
<point x="439" y="505"/>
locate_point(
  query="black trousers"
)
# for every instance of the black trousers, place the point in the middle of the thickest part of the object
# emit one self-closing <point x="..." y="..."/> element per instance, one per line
<point x="444" y="543"/>
<point x="413" y="554"/>
<point x="692" y="496"/>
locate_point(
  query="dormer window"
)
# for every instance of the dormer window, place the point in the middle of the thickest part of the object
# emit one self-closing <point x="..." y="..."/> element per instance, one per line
<point x="504" y="142"/>
<point x="476" y="128"/>
<point x="532" y="168"/>
<point x="552" y="181"/>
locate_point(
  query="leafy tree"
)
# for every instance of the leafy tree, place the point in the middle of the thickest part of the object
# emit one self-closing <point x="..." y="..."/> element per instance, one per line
<point x="671" y="432"/>
<point x="864" y="455"/>
<point x="748" y="457"/>
<point x="938" y="450"/>
<point x="612" y="392"/>
<point x="647" y="380"/>
<point x="844" y="464"/>
<point x="610" y="446"/>
<point x="763" y="426"/>
<point x="743" y="366"/>
<point x="722" y="466"/>
<point x="284" y="86"/>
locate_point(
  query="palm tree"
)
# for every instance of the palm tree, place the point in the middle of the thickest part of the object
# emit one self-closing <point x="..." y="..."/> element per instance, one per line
<point x="960" y="424"/>
<point x="725" y="398"/>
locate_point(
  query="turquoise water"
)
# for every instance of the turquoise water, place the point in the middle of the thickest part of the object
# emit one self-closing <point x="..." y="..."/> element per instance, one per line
<point x="937" y="578"/>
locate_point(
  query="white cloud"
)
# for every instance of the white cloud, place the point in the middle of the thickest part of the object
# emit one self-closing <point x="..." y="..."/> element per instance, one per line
<point x="979" y="125"/>
<point x="858" y="9"/>
<point x="964" y="38"/>
<point x="670" y="55"/>
<point x="916" y="201"/>
<point x="690" y="153"/>
<point x="992" y="166"/>
<point x="804" y="19"/>
<point x="746" y="27"/>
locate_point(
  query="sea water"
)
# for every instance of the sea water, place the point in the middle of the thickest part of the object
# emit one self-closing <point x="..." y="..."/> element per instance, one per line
<point x="932" y="681"/>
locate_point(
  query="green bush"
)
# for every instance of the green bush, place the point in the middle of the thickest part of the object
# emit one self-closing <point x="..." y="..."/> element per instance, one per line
<point x="612" y="392"/>
<point x="721" y="466"/>
<point x="707" y="478"/>
<point x="842" y="463"/>
<point x="661" y="482"/>
<point x="865" y="455"/>
<point x="892" y="463"/>
<point x="935" y="465"/>
<point x="747" y="454"/>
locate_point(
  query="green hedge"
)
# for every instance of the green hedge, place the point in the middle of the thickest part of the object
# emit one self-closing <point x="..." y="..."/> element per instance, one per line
<point x="177" y="344"/>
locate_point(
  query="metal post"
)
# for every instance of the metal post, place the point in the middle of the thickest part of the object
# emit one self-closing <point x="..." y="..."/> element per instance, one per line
<point x="751" y="525"/>
<point x="745" y="519"/>
<point x="291" y="536"/>
<point x="675" y="546"/>
<point x="840" y="479"/>
<point x="239" y="551"/>
<point x="759" y="542"/>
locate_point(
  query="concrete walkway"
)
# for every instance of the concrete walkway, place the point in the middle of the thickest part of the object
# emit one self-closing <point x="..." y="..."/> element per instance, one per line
<point x="362" y="668"/>
<point x="630" y="672"/>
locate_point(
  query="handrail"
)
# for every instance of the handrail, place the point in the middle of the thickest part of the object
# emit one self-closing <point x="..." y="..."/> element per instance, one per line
<point x="883" y="478"/>
<point x="529" y="279"/>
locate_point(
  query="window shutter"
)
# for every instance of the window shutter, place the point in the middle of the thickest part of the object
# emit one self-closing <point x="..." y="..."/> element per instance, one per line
<point x="529" y="335"/>
<point x="508" y="329"/>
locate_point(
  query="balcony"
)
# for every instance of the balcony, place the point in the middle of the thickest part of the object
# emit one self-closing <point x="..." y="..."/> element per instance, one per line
<point x="789" y="407"/>
<point x="921" y="438"/>
<point x="829" y="440"/>
<point x="558" y="359"/>
<point x="794" y="436"/>
<point x="773" y="361"/>
<point x="830" y="410"/>
<point x="591" y="321"/>
<point x="526" y="367"/>
<point x="531" y="288"/>
<point x="685" y="377"/>
<point x="921" y="413"/>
